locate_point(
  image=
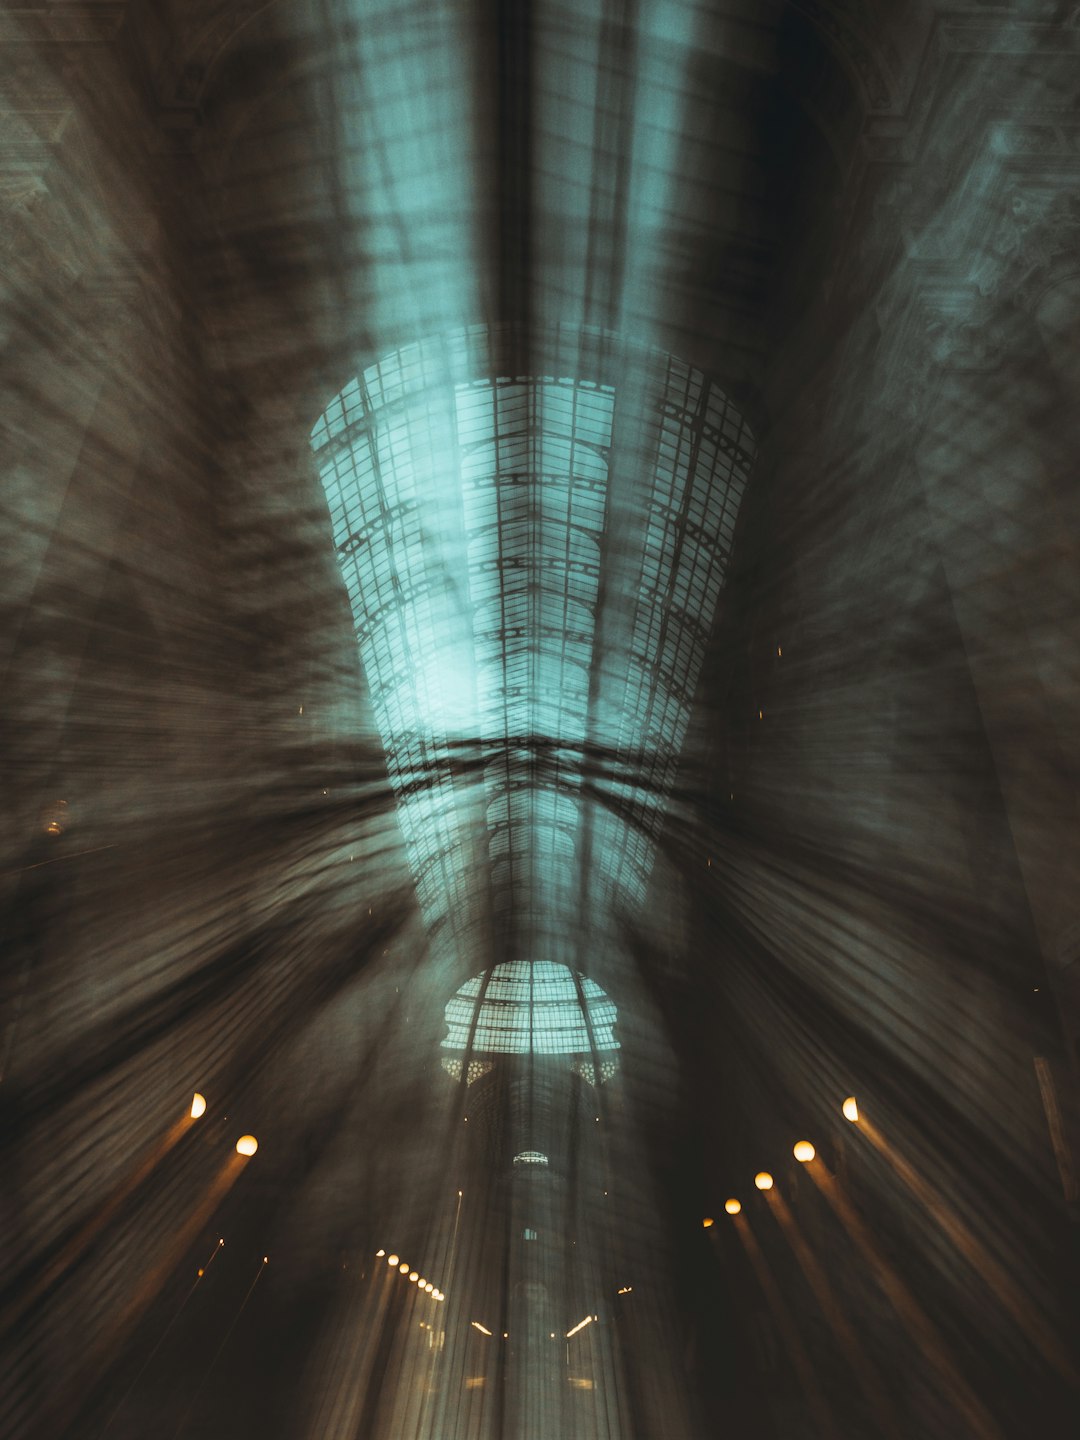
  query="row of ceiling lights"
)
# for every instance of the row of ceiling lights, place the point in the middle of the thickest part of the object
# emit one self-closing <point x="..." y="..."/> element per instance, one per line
<point x="483" y="1329"/>
<point x="803" y="1151"/>
<point x="415" y="1278"/>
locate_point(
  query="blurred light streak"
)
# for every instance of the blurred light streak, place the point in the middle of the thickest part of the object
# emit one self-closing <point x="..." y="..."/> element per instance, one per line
<point x="911" y="1314"/>
<point x="1058" y="1136"/>
<point x="100" y="1354"/>
<point x="847" y="1337"/>
<point x="982" y="1261"/>
<point x="804" y="1369"/>
<point x="217" y="1353"/>
<point x="92" y="1228"/>
<point x="161" y="1339"/>
<point x="56" y="859"/>
<point x="348" y="1365"/>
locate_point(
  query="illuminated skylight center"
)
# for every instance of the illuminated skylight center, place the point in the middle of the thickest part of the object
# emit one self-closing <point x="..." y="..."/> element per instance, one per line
<point x="530" y="1009"/>
<point x="533" y="564"/>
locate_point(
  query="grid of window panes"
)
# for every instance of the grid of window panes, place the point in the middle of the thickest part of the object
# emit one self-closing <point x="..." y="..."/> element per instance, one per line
<point x="696" y="455"/>
<point x="534" y="484"/>
<point x="530" y="1008"/>
<point x="386" y="450"/>
<point x="473" y="514"/>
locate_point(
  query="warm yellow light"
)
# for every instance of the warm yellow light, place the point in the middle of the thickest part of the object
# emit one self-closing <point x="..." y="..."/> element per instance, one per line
<point x="413" y="1277"/>
<point x="198" y="1105"/>
<point x="379" y="1254"/>
<point x="404" y="1267"/>
<point x="763" y="1180"/>
<point x="247" y="1145"/>
<point x="393" y="1260"/>
<point x="706" y="1222"/>
<point x="429" y="1287"/>
<point x="421" y="1282"/>
<point x="850" y="1109"/>
<point x="804" y="1151"/>
<point x="732" y="1206"/>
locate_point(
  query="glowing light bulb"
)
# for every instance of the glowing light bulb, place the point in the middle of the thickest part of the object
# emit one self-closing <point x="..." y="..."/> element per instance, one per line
<point x="413" y="1277"/>
<point x="804" y="1151"/>
<point x="393" y="1261"/>
<point x="732" y="1206"/>
<point x="707" y="1222"/>
<point x="198" y="1105"/>
<point x="247" y="1145"/>
<point x="763" y="1180"/>
<point x="850" y="1109"/>
<point x="379" y="1254"/>
<point x="429" y="1287"/>
<point x="403" y="1267"/>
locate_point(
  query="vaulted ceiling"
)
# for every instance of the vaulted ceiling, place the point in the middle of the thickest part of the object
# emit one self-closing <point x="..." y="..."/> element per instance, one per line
<point x="859" y="219"/>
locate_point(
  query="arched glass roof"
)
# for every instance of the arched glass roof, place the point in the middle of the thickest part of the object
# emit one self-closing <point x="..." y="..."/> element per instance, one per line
<point x="533" y="563"/>
<point x="530" y="1009"/>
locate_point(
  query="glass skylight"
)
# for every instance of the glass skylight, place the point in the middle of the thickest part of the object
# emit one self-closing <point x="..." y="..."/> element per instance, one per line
<point x="533" y="563"/>
<point x="530" y="1009"/>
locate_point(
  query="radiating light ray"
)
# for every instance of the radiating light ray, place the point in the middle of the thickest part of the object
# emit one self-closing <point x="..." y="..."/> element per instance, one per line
<point x="92" y="1228"/>
<point x="982" y="1261"/>
<point x="847" y="1337"/>
<point x="793" y="1343"/>
<point x="162" y="1338"/>
<point x="218" y="1352"/>
<point x="144" y="1291"/>
<point x="910" y="1313"/>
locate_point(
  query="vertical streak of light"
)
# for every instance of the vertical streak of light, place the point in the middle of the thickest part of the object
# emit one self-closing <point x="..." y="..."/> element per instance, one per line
<point x="348" y="1360"/>
<point x="792" y="1340"/>
<point x="447" y="1266"/>
<point x="911" y="1314"/>
<point x="846" y="1335"/>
